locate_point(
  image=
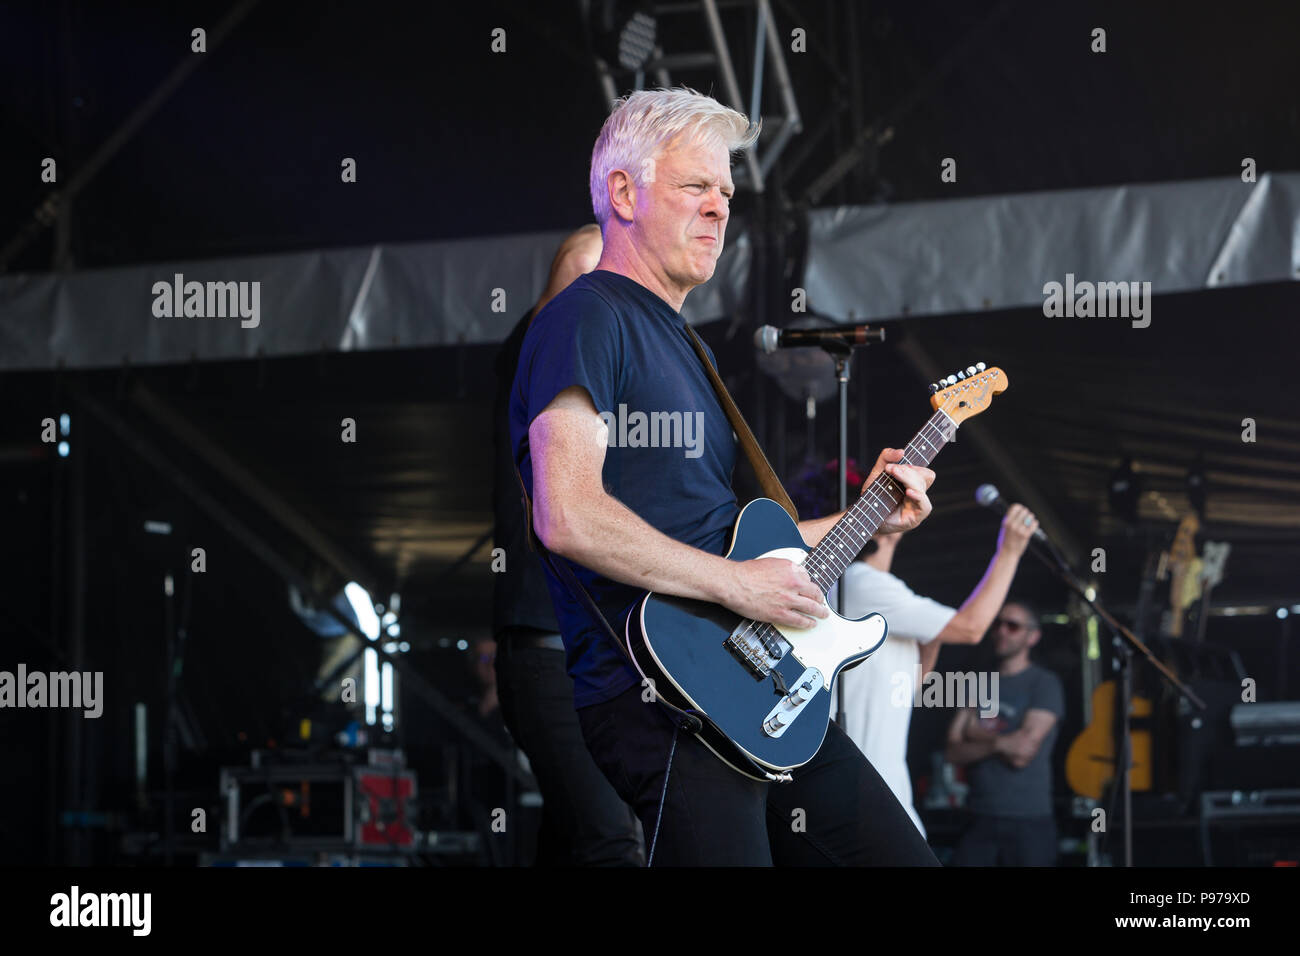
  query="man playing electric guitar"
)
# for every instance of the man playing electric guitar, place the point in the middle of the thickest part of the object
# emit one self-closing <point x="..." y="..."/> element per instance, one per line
<point x="631" y="512"/>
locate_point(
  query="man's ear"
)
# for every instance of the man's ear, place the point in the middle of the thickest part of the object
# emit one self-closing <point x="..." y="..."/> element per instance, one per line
<point x="1035" y="637"/>
<point x="622" y="194"/>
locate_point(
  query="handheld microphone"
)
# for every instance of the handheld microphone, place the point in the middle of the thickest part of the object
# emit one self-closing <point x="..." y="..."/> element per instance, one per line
<point x="769" y="338"/>
<point x="989" y="497"/>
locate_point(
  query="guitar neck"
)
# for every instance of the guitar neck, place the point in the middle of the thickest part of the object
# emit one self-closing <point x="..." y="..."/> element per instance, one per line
<point x="836" y="551"/>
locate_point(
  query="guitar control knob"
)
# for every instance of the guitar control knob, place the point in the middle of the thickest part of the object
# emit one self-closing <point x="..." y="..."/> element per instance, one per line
<point x="776" y="722"/>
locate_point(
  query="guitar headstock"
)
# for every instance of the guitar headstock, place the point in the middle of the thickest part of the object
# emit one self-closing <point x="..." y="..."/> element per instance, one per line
<point x="965" y="394"/>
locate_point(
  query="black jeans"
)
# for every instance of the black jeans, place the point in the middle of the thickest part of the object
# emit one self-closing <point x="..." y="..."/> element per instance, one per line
<point x="584" y="823"/>
<point x="838" y="811"/>
<point x="1007" y="841"/>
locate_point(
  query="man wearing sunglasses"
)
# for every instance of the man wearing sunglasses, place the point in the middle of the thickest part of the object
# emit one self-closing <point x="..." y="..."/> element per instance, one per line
<point x="1009" y="756"/>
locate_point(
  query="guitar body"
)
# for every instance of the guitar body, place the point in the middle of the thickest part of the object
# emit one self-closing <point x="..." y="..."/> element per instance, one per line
<point x="1091" y="762"/>
<point x="682" y="645"/>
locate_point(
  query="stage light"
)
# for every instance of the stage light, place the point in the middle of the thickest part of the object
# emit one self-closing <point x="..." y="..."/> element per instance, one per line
<point x="371" y="683"/>
<point x="625" y="33"/>
<point x="63" y="449"/>
<point x="462" y="645"/>
<point x="1282" y="613"/>
<point x="364" y="608"/>
<point x="65" y="423"/>
<point x="636" y="41"/>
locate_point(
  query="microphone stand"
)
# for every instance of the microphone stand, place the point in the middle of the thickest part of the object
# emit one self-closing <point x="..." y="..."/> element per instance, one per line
<point x="841" y="351"/>
<point x="1125" y="643"/>
<point x="842" y="358"/>
<point x="840" y="348"/>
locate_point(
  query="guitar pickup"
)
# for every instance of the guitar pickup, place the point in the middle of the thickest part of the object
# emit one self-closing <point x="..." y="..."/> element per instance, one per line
<point x="791" y="705"/>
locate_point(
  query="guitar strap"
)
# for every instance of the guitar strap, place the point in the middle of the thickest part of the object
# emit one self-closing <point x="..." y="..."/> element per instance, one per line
<point x="767" y="478"/>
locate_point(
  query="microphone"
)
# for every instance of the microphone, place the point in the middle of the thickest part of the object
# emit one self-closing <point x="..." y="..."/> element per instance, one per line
<point x="769" y="338"/>
<point x="989" y="497"/>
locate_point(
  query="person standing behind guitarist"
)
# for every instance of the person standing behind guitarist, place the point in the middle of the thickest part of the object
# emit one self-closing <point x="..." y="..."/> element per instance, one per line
<point x="584" y="823"/>
<point x="918" y="626"/>
<point x="1010" y="755"/>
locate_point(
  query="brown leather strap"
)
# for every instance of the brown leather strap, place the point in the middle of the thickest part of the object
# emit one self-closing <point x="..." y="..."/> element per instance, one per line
<point x="534" y="542"/>
<point x="767" y="478"/>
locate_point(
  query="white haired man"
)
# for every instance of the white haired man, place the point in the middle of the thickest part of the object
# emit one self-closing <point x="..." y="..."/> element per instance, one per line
<point x="630" y="519"/>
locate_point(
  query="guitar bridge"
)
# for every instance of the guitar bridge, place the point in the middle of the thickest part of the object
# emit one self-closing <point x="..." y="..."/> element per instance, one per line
<point x="746" y="644"/>
<point x="753" y="665"/>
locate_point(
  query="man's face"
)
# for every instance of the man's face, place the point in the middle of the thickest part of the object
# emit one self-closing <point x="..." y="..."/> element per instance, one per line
<point x="681" y="212"/>
<point x="1012" y="632"/>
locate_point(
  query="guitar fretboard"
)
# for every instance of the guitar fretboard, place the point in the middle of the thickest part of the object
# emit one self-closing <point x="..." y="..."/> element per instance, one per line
<point x="834" y="553"/>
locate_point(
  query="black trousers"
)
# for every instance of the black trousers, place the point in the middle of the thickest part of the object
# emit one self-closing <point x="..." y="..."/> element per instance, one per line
<point x="1007" y="841"/>
<point x="584" y="823"/>
<point x="838" y="811"/>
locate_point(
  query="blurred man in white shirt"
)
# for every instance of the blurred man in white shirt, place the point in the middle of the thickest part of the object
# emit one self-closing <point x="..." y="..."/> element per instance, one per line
<point x="918" y="626"/>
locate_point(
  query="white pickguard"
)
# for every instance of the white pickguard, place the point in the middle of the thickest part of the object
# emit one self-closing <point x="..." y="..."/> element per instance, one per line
<point x="832" y="640"/>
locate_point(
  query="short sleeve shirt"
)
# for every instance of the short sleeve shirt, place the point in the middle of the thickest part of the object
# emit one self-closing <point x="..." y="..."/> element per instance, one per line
<point x="998" y="789"/>
<point x="879" y="692"/>
<point x="670" y="450"/>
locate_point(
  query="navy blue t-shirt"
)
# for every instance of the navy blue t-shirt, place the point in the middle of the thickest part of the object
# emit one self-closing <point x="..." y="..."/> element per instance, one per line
<point x="670" y="451"/>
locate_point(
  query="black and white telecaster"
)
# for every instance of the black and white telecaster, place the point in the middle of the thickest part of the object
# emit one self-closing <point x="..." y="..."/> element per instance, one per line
<point x="762" y="691"/>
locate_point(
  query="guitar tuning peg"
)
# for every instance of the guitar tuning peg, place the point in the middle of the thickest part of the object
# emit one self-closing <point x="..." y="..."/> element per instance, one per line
<point x="979" y="366"/>
<point x="961" y="375"/>
<point x="933" y="388"/>
<point x="952" y="380"/>
<point x="970" y="370"/>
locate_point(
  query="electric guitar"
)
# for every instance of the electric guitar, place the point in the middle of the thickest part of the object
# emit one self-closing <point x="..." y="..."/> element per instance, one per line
<point x="1184" y="573"/>
<point x="762" y="691"/>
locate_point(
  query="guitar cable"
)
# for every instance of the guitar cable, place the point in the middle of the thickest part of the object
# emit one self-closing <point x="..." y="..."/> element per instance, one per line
<point x="654" y="840"/>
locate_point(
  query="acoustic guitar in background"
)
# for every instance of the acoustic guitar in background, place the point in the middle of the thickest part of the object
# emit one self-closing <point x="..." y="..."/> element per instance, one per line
<point x="1091" y="761"/>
